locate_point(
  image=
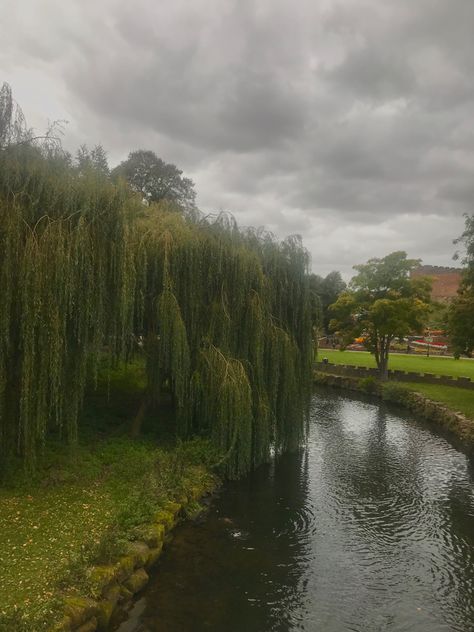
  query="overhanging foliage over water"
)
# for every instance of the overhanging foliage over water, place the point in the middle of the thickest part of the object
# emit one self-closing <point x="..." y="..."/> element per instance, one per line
<point x="220" y="313"/>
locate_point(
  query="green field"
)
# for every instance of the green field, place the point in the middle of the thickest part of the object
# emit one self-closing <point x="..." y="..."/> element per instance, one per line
<point x="421" y="364"/>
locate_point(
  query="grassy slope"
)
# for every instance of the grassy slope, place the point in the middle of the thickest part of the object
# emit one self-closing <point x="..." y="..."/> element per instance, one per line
<point x="458" y="399"/>
<point x="421" y="364"/>
<point x="76" y="508"/>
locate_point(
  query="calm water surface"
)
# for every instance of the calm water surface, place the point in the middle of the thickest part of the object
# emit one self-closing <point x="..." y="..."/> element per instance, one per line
<point x="369" y="528"/>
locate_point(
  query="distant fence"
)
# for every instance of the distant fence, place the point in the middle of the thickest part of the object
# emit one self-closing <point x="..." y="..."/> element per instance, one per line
<point x="398" y="376"/>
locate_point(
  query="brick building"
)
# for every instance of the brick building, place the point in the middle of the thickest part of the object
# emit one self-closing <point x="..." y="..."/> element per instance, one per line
<point x="445" y="281"/>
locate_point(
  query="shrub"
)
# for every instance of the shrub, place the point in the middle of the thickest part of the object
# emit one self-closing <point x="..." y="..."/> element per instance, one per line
<point x="369" y="384"/>
<point x="392" y="392"/>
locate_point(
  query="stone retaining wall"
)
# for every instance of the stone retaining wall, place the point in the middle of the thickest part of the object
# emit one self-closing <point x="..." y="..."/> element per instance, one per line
<point x="398" y="376"/>
<point x="432" y="411"/>
<point x="113" y="586"/>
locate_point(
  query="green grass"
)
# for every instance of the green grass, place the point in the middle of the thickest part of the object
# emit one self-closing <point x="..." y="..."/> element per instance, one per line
<point x="458" y="399"/>
<point x="421" y="364"/>
<point x="79" y="506"/>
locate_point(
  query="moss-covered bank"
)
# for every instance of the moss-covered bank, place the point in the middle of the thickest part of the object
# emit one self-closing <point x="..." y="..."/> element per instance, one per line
<point x="109" y="589"/>
<point x="442" y="415"/>
<point x="74" y="554"/>
<point x="80" y="534"/>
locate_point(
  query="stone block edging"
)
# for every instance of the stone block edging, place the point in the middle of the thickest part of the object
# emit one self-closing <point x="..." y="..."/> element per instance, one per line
<point x="113" y="586"/>
<point x="394" y="375"/>
<point x="430" y="410"/>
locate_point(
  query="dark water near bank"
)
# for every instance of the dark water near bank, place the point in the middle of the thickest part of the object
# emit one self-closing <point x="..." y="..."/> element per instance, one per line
<point x="370" y="528"/>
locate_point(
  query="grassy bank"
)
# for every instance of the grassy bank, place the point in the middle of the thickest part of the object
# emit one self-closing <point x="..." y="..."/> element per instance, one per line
<point x="404" y="362"/>
<point x="458" y="399"/>
<point x="80" y="508"/>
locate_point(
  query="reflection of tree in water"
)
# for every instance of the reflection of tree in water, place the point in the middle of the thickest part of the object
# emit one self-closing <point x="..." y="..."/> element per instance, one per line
<point x="381" y="485"/>
<point x="240" y="569"/>
<point x="371" y="528"/>
<point x="408" y="520"/>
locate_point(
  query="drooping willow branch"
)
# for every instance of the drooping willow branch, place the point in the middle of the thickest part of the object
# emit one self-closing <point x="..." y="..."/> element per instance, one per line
<point x="85" y="270"/>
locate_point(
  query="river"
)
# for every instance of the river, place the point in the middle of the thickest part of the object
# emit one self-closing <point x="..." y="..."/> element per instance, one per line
<point x="369" y="528"/>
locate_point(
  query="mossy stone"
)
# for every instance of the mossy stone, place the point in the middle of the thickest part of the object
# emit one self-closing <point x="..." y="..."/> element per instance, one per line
<point x="165" y="518"/>
<point x="154" y="534"/>
<point x="89" y="626"/>
<point x="107" y="607"/>
<point x="100" y="577"/>
<point x="154" y="555"/>
<point x="125" y="595"/>
<point x="173" y="507"/>
<point x="125" y="567"/>
<point x="140" y="552"/>
<point x="79" y="609"/>
<point x="137" y="581"/>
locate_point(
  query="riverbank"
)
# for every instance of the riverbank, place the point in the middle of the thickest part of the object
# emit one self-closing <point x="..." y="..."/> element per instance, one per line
<point x="81" y="514"/>
<point x="445" y="381"/>
<point x="419" y="398"/>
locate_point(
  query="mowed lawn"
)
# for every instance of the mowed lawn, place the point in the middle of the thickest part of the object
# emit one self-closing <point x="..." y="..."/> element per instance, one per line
<point x="404" y="362"/>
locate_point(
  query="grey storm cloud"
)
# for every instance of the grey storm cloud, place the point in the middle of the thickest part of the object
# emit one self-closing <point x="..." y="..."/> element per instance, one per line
<point x="349" y="121"/>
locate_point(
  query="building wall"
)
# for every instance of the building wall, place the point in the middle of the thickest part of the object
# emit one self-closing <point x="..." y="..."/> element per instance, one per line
<point x="445" y="281"/>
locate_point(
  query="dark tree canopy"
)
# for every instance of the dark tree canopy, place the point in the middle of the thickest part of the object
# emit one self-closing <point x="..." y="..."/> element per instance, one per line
<point x="381" y="303"/>
<point x="155" y="179"/>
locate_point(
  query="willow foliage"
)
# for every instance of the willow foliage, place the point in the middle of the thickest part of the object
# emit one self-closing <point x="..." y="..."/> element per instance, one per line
<point x="234" y="332"/>
<point x="67" y="279"/>
<point x="85" y="270"/>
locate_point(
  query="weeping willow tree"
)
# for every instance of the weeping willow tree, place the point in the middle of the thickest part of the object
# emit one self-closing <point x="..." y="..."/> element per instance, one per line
<point x="67" y="279"/>
<point x="227" y="320"/>
<point x="222" y="314"/>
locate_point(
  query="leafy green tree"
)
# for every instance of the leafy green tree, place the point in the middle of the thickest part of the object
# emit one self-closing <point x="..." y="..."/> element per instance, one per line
<point x="156" y="180"/>
<point x="461" y="310"/>
<point x="326" y="289"/>
<point x="461" y="323"/>
<point x="381" y="303"/>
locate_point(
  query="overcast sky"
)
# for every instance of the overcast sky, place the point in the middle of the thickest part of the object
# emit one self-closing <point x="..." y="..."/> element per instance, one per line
<point x="350" y="122"/>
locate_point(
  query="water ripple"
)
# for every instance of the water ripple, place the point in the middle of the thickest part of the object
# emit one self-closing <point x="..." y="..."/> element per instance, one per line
<point x="370" y="528"/>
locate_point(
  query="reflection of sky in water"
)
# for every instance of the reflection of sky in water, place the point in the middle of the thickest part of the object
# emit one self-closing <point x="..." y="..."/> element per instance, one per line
<point x="370" y="528"/>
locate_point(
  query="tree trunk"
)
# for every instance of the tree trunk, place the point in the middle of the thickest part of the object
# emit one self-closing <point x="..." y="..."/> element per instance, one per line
<point x="383" y="369"/>
<point x="383" y="359"/>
